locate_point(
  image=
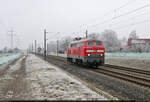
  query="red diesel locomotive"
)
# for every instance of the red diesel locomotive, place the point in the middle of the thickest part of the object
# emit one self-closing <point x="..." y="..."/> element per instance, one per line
<point x="86" y="51"/>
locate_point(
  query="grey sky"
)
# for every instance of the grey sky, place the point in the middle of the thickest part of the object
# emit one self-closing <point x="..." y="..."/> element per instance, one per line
<point x="28" y="18"/>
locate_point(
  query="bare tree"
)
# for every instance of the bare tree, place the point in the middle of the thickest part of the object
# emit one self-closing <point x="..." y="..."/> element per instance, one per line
<point x="110" y="39"/>
<point x="64" y="43"/>
<point x="134" y="47"/>
<point x="94" y="35"/>
<point x="52" y="46"/>
<point x="133" y="35"/>
<point x="123" y="44"/>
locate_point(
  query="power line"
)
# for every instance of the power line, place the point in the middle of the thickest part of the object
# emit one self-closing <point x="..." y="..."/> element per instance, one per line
<point x="112" y="11"/>
<point x="140" y="22"/>
<point x="136" y="16"/>
<point x="127" y="13"/>
<point x="129" y="2"/>
<point x="124" y="14"/>
<point x="146" y="13"/>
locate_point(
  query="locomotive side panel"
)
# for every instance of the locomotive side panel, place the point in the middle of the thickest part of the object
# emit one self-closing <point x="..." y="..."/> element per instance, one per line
<point x="87" y="52"/>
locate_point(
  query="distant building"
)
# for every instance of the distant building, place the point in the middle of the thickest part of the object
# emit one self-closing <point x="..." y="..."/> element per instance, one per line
<point x="139" y="45"/>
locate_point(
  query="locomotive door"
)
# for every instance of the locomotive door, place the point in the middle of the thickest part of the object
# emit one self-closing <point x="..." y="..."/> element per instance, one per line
<point x="79" y="53"/>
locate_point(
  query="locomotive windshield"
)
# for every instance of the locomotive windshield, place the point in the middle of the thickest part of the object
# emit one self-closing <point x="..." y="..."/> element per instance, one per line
<point x="98" y="44"/>
<point x="90" y="43"/>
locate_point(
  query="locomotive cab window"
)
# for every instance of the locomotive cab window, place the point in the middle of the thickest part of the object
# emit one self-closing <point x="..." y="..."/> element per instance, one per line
<point x="73" y="45"/>
<point x="90" y="43"/>
<point x="98" y="44"/>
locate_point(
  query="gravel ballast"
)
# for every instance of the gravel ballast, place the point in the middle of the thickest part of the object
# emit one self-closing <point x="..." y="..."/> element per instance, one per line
<point x="118" y="88"/>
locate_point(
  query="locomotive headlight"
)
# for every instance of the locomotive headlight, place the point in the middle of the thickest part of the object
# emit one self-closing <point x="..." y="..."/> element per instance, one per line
<point x="100" y="50"/>
<point x="101" y="54"/>
<point x="88" y="54"/>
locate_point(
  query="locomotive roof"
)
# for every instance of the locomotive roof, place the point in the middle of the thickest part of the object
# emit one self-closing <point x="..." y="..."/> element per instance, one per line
<point x="83" y="40"/>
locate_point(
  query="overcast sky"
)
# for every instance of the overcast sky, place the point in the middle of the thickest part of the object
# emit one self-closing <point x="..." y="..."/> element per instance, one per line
<point x="28" y="19"/>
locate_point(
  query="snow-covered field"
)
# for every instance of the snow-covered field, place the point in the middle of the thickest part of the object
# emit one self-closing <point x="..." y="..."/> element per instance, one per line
<point x="139" y="63"/>
<point x="9" y="83"/>
<point x="6" y="58"/>
<point x="50" y="82"/>
<point x="128" y="55"/>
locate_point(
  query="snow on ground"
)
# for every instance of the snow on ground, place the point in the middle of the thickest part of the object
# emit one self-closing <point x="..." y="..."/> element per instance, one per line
<point x="50" y="82"/>
<point x="8" y="80"/>
<point x="7" y="58"/>
<point x="128" y="55"/>
<point x="139" y="63"/>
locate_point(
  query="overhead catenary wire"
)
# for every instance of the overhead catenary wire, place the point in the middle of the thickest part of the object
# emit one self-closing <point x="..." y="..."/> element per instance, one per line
<point x="136" y="16"/>
<point x="121" y="15"/>
<point x="116" y="9"/>
<point x="116" y="17"/>
<point x="135" y="23"/>
<point x="109" y="12"/>
<point x="126" y="4"/>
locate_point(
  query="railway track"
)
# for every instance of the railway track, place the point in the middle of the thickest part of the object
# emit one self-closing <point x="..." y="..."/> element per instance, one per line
<point x="136" y="76"/>
<point x="126" y="76"/>
<point x="128" y="69"/>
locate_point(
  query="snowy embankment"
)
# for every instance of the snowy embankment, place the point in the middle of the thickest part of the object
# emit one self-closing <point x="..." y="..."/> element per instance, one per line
<point x="128" y="55"/>
<point x="51" y="83"/>
<point x="7" y="58"/>
<point x="133" y="60"/>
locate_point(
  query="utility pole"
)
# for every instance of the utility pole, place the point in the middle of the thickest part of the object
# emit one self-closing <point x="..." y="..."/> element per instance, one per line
<point x="45" y="44"/>
<point x="57" y="44"/>
<point x="57" y="47"/>
<point x="86" y="33"/>
<point x="47" y="49"/>
<point x="12" y="37"/>
<point x="32" y="47"/>
<point x="35" y="46"/>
